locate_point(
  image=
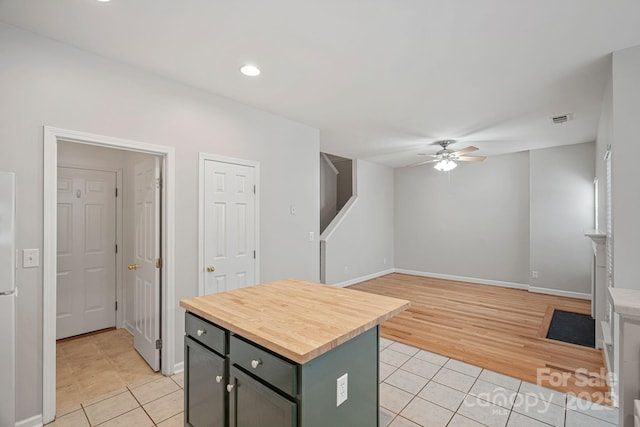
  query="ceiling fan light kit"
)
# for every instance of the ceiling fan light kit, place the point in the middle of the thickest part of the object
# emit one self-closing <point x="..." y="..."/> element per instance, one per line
<point x="445" y="159"/>
<point x="445" y="165"/>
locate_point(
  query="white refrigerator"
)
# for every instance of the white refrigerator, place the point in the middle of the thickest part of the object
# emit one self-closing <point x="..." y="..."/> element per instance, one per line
<point x="7" y="300"/>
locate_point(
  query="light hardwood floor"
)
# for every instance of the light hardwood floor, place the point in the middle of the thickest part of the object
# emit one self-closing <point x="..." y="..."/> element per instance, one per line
<point x="497" y="328"/>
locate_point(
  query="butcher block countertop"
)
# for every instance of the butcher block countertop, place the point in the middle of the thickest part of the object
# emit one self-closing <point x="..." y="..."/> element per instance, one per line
<point x="296" y="319"/>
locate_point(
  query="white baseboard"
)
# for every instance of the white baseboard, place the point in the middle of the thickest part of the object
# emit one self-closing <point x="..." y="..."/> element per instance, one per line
<point x="464" y="279"/>
<point x="560" y="293"/>
<point x="363" y="278"/>
<point x="523" y="286"/>
<point x="35" y="421"/>
<point x="129" y="327"/>
<point x="178" y="367"/>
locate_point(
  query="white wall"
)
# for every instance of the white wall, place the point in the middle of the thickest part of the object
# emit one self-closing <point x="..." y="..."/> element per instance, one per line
<point x="71" y="154"/>
<point x="603" y="140"/>
<point x="47" y="83"/>
<point x="625" y="176"/>
<point x="472" y="222"/>
<point x="361" y="245"/>
<point x="561" y="203"/>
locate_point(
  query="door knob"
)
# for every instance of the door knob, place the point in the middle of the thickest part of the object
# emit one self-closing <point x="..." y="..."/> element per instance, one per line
<point x="210" y="269"/>
<point x="133" y="266"/>
<point x="229" y="388"/>
<point x="218" y="378"/>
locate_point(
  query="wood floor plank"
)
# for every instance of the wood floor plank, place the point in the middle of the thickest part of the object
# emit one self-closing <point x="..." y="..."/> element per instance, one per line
<point x="496" y="328"/>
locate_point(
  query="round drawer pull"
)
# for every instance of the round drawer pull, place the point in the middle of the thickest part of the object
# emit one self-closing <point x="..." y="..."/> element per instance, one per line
<point x="218" y="378"/>
<point x="229" y="388"/>
<point x="201" y="332"/>
<point x="255" y="363"/>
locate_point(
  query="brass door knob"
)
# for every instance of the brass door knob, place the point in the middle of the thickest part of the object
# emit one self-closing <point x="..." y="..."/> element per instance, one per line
<point x="210" y="269"/>
<point x="133" y="266"/>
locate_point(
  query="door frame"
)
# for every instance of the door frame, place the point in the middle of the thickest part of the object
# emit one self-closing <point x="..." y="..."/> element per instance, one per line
<point x="119" y="237"/>
<point x="202" y="158"/>
<point x="52" y="136"/>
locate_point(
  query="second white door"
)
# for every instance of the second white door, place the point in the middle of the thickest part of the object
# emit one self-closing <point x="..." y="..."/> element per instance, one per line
<point x="146" y="262"/>
<point x="86" y="267"/>
<point x="229" y="226"/>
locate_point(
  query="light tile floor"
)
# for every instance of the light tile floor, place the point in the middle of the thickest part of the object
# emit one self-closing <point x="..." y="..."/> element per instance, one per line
<point x="156" y="402"/>
<point x="95" y="365"/>
<point x="417" y="388"/>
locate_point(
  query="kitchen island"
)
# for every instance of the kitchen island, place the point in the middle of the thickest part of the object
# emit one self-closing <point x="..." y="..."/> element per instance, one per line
<point x="284" y="353"/>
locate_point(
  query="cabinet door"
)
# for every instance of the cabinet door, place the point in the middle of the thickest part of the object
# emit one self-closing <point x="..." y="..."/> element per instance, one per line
<point x="205" y="397"/>
<point x="252" y="404"/>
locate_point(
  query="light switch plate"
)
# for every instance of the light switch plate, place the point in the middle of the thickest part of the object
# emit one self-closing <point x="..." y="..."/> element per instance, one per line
<point x="30" y="258"/>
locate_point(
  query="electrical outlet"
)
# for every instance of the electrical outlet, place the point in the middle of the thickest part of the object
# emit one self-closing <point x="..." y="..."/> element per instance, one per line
<point x="312" y="236"/>
<point x="342" y="390"/>
<point x="293" y="209"/>
<point x="534" y="274"/>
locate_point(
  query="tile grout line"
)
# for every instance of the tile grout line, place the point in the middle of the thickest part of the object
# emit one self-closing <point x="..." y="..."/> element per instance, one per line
<point x="142" y="407"/>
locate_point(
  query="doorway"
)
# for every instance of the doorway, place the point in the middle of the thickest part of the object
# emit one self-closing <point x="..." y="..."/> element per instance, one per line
<point x="166" y="155"/>
<point x="87" y="248"/>
<point x="229" y="220"/>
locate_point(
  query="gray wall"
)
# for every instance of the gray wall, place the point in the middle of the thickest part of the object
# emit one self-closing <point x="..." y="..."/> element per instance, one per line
<point x="328" y="192"/>
<point x="472" y="222"/>
<point x="345" y="181"/>
<point x="561" y="193"/>
<point x="626" y="179"/>
<point x="497" y="220"/>
<point x="47" y="83"/>
<point x="362" y="243"/>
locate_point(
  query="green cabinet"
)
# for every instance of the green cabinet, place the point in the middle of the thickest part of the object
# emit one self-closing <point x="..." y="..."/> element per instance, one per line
<point x="232" y="382"/>
<point x="205" y="386"/>
<point x="254" y="404"/>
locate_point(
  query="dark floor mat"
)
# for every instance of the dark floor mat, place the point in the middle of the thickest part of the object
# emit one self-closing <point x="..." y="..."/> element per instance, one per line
<point x="574" y="328"/>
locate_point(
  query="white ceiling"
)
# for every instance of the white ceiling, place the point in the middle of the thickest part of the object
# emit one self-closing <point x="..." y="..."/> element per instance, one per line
<point x="381" y="79"/>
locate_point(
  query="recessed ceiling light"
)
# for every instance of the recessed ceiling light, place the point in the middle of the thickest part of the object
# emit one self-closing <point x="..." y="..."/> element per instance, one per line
<point x="250" y="70"/>
<point x="103" y="1"/>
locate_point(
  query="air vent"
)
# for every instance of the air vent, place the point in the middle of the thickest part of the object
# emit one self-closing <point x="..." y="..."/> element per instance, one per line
<point x="558" y="120"/>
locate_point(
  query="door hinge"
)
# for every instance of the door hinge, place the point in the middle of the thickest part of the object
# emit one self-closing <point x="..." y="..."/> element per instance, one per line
<point x="116" y="305"/>
<point x="158" y="344"/>
<point x="116" y="248"/>
<point x="158" y="183"/>
<point x="254" y="189"/>
<point x="116" y="191"/>
<point x="158" y="262"/>
<point x="254" y="254"/>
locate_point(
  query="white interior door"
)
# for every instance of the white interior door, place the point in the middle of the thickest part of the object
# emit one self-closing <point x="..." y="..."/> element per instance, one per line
<point x="144" y="268"/>
<point x="229" y="226"/>
<point x="86" y="256"/>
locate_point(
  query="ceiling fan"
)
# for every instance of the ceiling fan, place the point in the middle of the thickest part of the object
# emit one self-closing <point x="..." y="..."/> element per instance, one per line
<point x="446" y="158"/>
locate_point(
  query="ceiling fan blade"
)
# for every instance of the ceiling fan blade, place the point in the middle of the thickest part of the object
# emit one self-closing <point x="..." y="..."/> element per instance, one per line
<point x="465" y="151"/>
<point x="428" y="155"/>
<point x="422" y="163"/>
<point x="470" y="158"/>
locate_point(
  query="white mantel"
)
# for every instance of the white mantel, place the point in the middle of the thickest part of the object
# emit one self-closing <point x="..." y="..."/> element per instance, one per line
<point x="599" y="287"/>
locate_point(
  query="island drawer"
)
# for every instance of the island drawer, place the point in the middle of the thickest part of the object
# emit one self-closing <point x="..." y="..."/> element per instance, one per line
<point x="205" y="333"/>
<point x="276" y="371"/>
